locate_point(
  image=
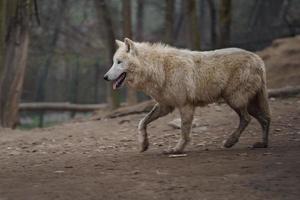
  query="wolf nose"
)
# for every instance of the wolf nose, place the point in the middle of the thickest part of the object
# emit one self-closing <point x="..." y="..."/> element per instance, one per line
<point x="105" y="77"/>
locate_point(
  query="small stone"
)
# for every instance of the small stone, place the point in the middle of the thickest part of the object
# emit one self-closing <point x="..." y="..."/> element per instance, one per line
<point x="202" y="128"/>
<point x="136" y="172"/>
<point x="59" y="171"/>
<point x="126" y="140"/>
<point x="201" y="144"/>
<point x="124" y="121"/>
<point x="177" y="155"/>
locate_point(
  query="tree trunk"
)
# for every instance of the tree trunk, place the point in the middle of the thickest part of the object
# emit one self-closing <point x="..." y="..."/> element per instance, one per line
<point x="15" y="58"/>
<point x="139" y="32"/>
<point x="169" y="21"/>
<point x="103" y="13"/>
<point x="15" y="91"/>
<point x="2" y="49"/>
<point x="224" y="23"/>
<point x="2" y="33"/>
<point x="127" y="32"/>
<point x="97" y="80"/>
<point x="213" y="22"/>
<point x="75" y="84"/>
<point x="60" y="106"/>
<point x="43" y="75"/>
<point x="179" y="20"/>
<point x="191" y="22"/>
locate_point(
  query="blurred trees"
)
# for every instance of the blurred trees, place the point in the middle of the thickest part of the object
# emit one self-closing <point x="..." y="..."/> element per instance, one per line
<point x="224" y="23"/>
<point x="104" y="14"/>
<point x="192" y="24"/>
<point x="44" y="70"/>
<point x="139" y="20"/>
<point x="2" y="33"/>
<point x="15" y="22"/>
<point x="127" y="32"/>
<point x="73" y="47"/>
<point x="169" y="21"/>
<point x="213" y="22"/>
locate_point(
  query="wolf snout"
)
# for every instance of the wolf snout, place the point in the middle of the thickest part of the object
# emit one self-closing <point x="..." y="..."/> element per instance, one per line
<point x="106" y="77"/>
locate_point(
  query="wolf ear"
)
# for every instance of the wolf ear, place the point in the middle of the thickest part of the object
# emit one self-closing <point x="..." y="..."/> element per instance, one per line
<point x="130" y="47"/>
<point x="119" y="43"/>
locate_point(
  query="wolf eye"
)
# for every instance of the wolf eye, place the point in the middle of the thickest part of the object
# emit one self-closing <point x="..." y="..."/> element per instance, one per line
<point x="119" y="62"/>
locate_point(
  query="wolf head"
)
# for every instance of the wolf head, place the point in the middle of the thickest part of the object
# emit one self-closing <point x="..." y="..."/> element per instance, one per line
<point x="124" y="64"/>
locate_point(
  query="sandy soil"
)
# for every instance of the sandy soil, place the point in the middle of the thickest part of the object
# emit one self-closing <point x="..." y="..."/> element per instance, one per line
<point x="99" y="160"/>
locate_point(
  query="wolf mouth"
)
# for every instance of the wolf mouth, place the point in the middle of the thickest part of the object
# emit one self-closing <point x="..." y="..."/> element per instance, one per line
<point x="119" y="81"/>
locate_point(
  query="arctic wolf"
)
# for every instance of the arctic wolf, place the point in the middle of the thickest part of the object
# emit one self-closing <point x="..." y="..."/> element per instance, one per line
<point x="184" y="79"/>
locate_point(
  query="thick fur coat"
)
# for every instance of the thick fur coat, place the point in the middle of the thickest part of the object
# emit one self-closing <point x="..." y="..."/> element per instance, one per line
<point x="184" y="79"/>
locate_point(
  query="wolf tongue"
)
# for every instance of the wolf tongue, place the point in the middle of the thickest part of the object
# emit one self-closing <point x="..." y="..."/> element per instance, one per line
<point x="115" y="83"/>
<point x="118" y="82"/>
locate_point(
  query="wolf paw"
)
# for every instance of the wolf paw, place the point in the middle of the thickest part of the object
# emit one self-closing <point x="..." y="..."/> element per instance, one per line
<point x="144" y="145"/>
<point x="259" y="145"/>
<point x="230" y="142"/>
<point x="173" y="151"/>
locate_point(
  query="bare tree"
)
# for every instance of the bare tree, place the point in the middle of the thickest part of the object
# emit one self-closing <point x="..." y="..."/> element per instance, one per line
<point x="127" y="32"/>
<point x="169" y="21"/>
<point x="179" y="20"/>
<point x="224" y="23"/>
<point x="139" y="20"/>
<point x="75" y="84"/>
<point x="191" y="22"/>
<point x="14" y="51"/>
<point x="43" y="74"/>
<point x="2" y="33"/>
<point x="103" y="14"/>
<point x="213" y="21"/>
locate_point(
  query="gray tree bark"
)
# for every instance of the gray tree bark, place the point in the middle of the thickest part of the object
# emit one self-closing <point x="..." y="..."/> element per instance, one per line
<point x="127" y="32"/>
<point x="103" y="14"/>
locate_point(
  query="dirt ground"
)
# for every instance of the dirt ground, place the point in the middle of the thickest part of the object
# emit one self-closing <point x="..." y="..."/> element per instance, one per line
<point x="99" y="159"/>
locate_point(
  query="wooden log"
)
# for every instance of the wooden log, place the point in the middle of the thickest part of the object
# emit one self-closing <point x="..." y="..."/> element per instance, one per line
<point x="46" y="106"/>
<point x="284" y="92"/>
<point x="143" y="107"/>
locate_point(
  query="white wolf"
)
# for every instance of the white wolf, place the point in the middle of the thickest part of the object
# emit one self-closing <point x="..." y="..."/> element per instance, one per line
<point x="184" y="79"/>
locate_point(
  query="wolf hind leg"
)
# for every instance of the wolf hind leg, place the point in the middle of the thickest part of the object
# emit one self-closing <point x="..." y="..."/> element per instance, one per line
<point x="259" y="109"/>
<point x="244" y="121"/>
<point x="187" y="115"/>
<point x="157" y="111"/>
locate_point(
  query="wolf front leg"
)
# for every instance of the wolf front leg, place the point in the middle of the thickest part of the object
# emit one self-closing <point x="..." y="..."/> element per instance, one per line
<point x="187" y="115"/>
<point x="157" y="112"/>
